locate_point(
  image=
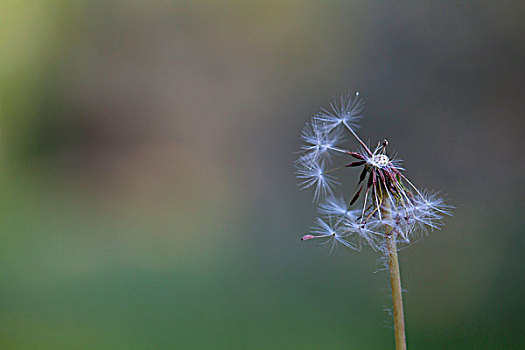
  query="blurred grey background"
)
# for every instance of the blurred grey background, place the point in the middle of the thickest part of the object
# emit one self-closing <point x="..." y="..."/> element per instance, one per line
<point x="148" y="192"/>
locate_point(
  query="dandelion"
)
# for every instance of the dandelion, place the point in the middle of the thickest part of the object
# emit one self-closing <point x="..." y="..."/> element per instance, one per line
<point x="385" y="211"/>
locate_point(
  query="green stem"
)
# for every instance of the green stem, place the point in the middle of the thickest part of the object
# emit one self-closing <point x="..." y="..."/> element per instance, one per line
<point x="395" y="282"/>
<point x="397" y="297"/>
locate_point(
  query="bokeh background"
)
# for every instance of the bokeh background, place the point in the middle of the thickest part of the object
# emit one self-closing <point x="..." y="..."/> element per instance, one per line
<point x="148" y="197"/>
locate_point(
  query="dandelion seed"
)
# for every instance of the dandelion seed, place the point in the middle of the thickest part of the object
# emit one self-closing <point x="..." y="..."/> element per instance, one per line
<point x="333" y="206"/>
<point x="318" y="142"/>
<point x="343" y="112"/>
<point x="311" y="170"/>
<point x="331" y="235"/>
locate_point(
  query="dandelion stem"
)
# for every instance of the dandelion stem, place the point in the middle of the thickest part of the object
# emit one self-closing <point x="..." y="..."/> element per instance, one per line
<point x="395" y="282"/>
<point x="397" y="298"/>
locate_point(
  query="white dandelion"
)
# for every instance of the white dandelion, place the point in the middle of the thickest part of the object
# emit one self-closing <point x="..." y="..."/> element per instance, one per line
<point x="392" y="211"/>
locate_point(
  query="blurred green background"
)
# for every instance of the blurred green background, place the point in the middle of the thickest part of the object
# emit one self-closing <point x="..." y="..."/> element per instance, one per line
<point x="148" y="195"/>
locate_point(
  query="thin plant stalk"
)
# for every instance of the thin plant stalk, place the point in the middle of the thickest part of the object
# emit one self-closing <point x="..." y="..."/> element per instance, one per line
<point x="395" y="282"/>
<point x="397" y="298"/>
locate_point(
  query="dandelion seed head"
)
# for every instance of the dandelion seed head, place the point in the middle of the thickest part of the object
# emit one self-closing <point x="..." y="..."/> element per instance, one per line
<point x="379" y="160"/>
<point x="385" y="204"/>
